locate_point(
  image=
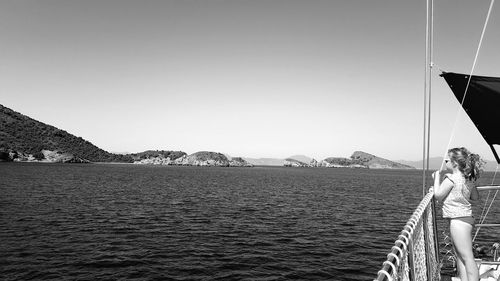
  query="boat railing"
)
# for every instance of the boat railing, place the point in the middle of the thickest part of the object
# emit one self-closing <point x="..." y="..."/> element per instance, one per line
<point x="488" y="188"/>
<point x="414" y="255"/>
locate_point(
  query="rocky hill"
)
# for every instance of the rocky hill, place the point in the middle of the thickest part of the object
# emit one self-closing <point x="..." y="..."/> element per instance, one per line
<point x="339" y="162"/>
<point x="157" y="153"/>
<point x="358" y="159"/>
<point x="374" y="162"/>
<point x="239" y="162"/>
<point x="294" y="162"/>
<point x="209" y="158"/>
<point x="25" y="139"/>
<point x="290" y="162"/>
<point x="157" y="157"/>
<point x="180" y="158"/>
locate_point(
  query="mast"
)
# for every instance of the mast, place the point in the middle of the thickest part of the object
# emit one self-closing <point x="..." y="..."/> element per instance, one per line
<point x="427" y="92"/>
<point x="427" y="139"/>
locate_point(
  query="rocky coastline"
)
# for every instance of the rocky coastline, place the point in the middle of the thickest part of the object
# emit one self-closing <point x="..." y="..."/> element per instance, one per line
<point x="201" y="158"/>
<point x="358" y="160"/>
<point x="331" y="162"/>
<point x="24" y="139"/>
<point x="167" y="158"/>
<point x="45" y="156"/>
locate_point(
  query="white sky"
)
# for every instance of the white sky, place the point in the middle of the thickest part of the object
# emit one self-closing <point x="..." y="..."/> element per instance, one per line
<point x="262" y="78"/>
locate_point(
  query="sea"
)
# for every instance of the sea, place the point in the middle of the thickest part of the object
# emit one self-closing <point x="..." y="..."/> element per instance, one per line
<point x="137" y="222"/>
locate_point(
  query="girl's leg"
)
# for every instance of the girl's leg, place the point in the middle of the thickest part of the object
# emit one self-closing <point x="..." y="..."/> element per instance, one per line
<point x="460" y="232"/>
<point x="462" y="273"/>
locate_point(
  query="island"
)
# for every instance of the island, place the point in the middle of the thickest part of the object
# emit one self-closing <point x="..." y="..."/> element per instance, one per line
<point x="24" y="139"/>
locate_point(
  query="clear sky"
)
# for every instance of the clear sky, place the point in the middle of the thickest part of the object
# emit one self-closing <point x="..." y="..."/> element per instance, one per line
<point x="253" y="78"/>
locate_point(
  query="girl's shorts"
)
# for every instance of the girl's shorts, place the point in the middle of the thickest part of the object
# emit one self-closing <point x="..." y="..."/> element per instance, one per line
<point x="469" y="220"/>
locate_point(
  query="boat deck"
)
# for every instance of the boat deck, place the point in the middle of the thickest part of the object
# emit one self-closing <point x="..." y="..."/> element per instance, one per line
<point x="488" y="272"/>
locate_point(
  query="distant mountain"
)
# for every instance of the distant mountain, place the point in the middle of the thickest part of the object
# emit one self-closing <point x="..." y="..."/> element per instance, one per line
<point x="278" y="161"/>
<point x="265" y="161"/>
<point x="301" y="158"/>
<point x="27" y="139"/>
<point x="435" y="164"/>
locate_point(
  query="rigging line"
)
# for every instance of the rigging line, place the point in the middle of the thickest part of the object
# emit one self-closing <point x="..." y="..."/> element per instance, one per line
<point x="469" y="78"/>
<point x="485" y="215"/>
<point x="496" y="192"/>
<point x="483" y="218"/>
<point x="484" y="207"/>
<point x="489" y="207"/>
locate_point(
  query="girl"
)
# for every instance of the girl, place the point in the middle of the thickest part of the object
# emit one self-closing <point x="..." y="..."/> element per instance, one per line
<point x="456" y="191"/>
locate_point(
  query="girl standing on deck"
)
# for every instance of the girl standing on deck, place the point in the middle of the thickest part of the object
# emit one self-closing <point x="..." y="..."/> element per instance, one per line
<point x="456" y="192"/>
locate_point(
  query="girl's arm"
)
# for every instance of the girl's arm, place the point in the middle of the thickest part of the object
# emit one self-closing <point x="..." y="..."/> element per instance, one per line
<point x="441" y="190"/>
<point x="474" y="194"/>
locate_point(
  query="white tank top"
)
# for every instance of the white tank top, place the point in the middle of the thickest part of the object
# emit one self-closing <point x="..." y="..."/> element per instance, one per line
<point x="457" y="204"/>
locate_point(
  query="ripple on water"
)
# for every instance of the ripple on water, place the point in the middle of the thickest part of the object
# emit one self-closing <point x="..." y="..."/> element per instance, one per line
<point x="187" y="223"/>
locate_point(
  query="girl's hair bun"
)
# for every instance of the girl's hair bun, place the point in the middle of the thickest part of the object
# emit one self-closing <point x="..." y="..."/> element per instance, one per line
<point x="470" y="164"/>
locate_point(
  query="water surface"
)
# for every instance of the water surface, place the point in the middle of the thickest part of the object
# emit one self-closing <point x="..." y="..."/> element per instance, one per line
<point x="95" y="221"/>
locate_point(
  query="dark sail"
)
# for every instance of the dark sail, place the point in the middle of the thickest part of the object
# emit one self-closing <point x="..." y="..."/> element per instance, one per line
<point x="482" y="103"/>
